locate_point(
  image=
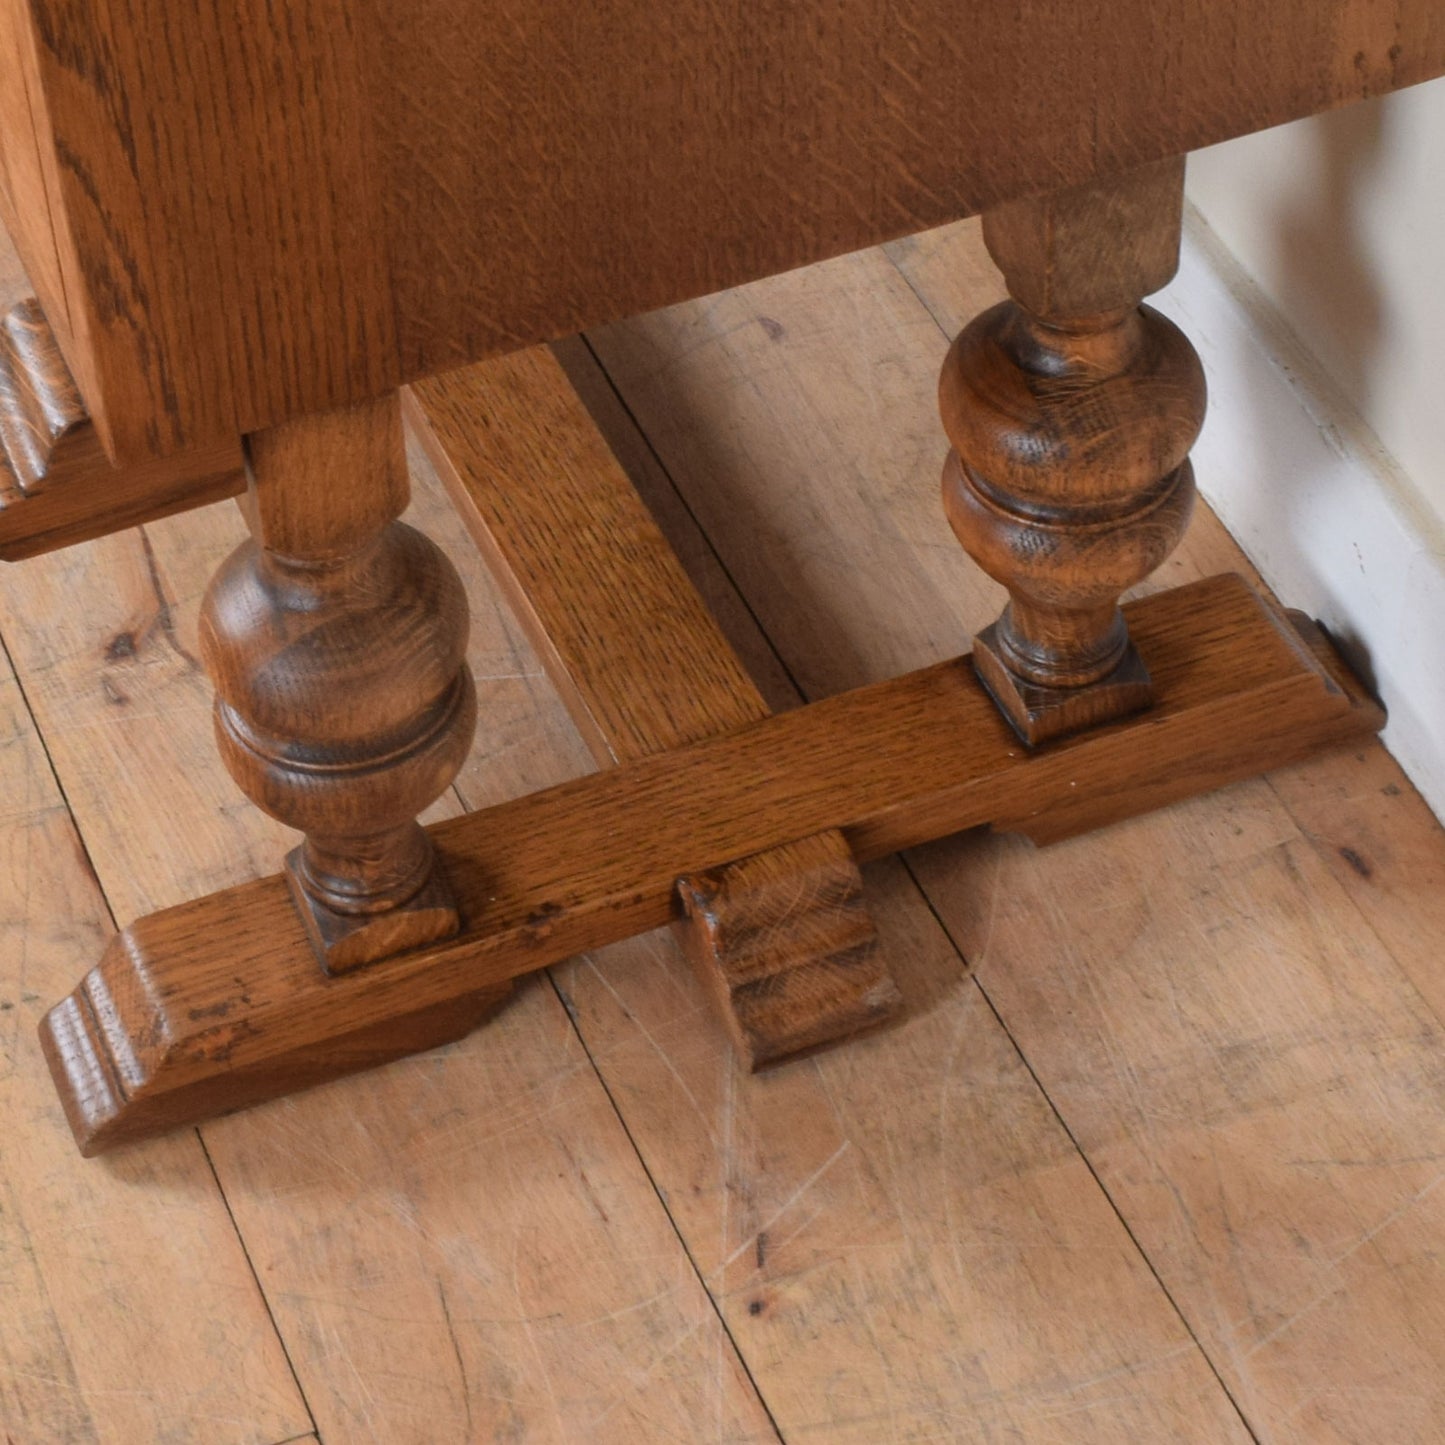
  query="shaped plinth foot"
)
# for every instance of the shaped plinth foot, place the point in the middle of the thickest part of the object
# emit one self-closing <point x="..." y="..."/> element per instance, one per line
<point x="785" y="946"/>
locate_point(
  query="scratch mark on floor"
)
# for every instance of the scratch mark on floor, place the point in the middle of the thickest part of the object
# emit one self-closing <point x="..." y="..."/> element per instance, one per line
<point x="457" y="1351"/>
<point x="787" y="1204"/>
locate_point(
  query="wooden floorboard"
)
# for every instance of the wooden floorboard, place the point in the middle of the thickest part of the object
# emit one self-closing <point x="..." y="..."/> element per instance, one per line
<point x="855" y="1214"/>
<point x="128" y="1310"/>
<point x="1227" y="1003"/>
<point x="1165" y="1148"/>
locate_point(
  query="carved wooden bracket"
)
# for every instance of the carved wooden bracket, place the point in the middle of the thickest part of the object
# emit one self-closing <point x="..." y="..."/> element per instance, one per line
<point x="57" y="486"/>
<point x="44" y="429"/>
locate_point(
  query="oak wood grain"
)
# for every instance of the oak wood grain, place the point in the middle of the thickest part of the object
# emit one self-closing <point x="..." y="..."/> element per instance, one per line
<point x="731" y="1151"/>
<point x="24" y="143"/>
<point x="1027" y="1327"/>
<point x="398" y="189"/>
<point x="849" y="1188"/>
<point x="57" y="487"/>
<point x="336" y="639"/>
<point x="44" y="428"/>
<point x="218" y="1003"/>
<point x="94" y="1344"/>
<point x="1071" y="410"/>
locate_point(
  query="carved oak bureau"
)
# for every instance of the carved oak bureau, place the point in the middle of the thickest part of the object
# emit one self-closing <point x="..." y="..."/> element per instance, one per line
<point x="258" y="234"/>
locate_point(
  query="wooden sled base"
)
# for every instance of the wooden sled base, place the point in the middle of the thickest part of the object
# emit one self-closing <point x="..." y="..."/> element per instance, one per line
<point x="221" y="1003"/>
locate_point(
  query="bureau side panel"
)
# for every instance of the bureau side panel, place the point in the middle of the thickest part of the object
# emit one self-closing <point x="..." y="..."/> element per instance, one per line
<point x="279" y="207"/>
<point x="551" y="164"/>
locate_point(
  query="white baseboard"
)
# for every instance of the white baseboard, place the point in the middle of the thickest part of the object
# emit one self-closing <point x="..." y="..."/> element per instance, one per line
<point x="1317" y="503"/>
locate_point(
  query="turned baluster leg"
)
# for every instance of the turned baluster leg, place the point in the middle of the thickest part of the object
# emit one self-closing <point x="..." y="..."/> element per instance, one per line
<point x="1071" y="409"/>
<point x="336" y="638"/>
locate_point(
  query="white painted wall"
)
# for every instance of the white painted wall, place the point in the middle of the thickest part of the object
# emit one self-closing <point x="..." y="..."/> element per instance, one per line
<point x="1340" y="219"/>
<point x="1314" y="286"/>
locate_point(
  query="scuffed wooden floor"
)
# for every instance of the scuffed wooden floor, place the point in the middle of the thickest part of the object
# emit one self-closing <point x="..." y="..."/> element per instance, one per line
<point x="1155" y="1155"/>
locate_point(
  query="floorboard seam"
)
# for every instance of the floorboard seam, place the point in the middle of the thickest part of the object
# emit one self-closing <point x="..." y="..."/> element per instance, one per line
<point x="56" y="779"/>
<point x="261" y="1290"/>
<point x="1103" y="1189"/>
<point x="1083" y="1155"/>
<point x="1322" y="849"/>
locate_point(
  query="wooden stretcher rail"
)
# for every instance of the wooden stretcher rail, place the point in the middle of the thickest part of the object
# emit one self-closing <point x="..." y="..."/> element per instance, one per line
<point x="782" y="941"/>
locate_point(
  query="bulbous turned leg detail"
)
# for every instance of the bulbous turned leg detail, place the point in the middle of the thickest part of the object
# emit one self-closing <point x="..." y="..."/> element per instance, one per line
<point x="1071" y="409"/>
<point x="336" y="639"/>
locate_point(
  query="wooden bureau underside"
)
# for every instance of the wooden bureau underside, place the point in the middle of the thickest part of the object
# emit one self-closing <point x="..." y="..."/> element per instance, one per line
<point x="263" y="210"/>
